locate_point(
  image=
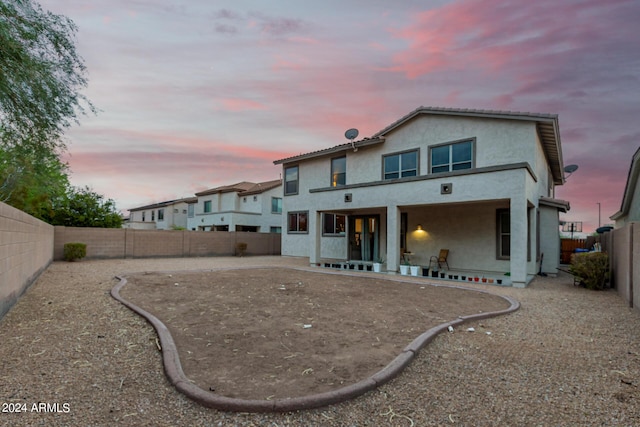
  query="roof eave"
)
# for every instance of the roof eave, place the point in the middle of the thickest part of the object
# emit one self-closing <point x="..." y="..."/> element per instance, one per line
<point x="330" y="151"/>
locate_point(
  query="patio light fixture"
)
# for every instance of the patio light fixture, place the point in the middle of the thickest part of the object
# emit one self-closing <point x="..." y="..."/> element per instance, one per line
<point x="419" y="227"/>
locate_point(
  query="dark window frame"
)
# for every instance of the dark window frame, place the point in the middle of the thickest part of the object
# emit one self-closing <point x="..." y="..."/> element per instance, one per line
<point x="343" y="175"/>
<point x="500" y="215"/>
<point x="401" y="172"/>
<point x="451" y="164"/>
<point x="292" y="191"/>
<point x="330" y="224"/>
<point x="297" y="228"/>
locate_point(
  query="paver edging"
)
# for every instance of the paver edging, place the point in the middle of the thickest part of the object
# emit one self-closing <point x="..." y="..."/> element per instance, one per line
<point x="176" y="376"/>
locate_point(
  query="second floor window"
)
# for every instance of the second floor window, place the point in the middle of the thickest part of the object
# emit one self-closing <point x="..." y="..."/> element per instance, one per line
<point x="452" y="157"/>
<point x="276" y="205"/>
<point x="338" y="171"/>
<point x="207" y="206"/>
<point x="153" y="215"/>
<point x="143" y="216"/>
<point x="160" y="214"/>
<point x="291" y="180"/>
<point x="400" y="165"/>
<point x="191" y="211"/>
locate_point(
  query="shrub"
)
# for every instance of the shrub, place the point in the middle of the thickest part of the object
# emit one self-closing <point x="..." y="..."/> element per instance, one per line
<point x="241" y="249"/>
<point x="74" y="251"/>
<point x="592" y="268"/>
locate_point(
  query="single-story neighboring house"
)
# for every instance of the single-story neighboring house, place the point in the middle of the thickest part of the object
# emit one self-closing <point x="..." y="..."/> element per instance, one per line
<point x="478" y="183"/>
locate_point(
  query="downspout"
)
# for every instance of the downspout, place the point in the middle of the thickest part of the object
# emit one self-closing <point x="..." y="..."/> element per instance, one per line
<point x="631" y="265"/>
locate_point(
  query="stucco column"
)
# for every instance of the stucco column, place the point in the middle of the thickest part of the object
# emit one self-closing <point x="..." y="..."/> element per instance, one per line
<point x="314" y="228"/>
<point x="393" y="238"/>
<point x="519" y="241"/>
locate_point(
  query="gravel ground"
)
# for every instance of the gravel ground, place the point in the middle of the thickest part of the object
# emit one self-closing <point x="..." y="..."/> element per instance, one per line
<point x="73" y="356"/>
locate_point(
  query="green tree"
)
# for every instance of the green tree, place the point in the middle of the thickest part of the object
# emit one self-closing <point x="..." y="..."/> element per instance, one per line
<point x="32" y="178"/>
<point x="41" y="78"/>
<point x="82" y="207"/>
<point x="41" y="75"/>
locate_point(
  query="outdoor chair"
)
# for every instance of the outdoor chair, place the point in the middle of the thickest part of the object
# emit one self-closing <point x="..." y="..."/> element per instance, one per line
<point x="441" y="258"/>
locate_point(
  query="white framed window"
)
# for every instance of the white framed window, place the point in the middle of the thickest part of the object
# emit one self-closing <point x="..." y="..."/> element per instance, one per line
<point x="451" y="156"/>
<point x="207" y="206"/>
<point x="160" y="214"/>
<point x="276" y="205"/>
<point x="298" y="222"/>
<point x="291" y="181"/>
<point x="333" y="224"/>
<point x="338" y="171"/>
<point x="400" y="165"/>
<point x="191" y="210"/>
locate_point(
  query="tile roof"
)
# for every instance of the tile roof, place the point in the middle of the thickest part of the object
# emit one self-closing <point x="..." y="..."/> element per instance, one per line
<point x="547" y="125"/>
<point x="243" y="188"/>
<point x="165" y="204"/>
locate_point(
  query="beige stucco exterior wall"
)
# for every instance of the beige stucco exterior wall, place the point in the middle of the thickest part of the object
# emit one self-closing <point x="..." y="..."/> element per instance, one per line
<point x="171" y="217"/>
<point x="497" y="142"/>
<point x="229" y="209"/>
<point x="549" y="239"/>
<point x="634" y="209"/>
<point x="26" y="249"/>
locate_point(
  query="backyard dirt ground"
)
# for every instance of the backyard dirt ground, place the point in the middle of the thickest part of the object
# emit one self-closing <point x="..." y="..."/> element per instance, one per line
<point x="567" y="357"/>
<point x="272" y="333"/>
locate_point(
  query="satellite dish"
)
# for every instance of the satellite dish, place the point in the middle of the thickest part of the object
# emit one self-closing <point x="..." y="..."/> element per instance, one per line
<point x="569" y="169"/>
<point x="352" y="134"/>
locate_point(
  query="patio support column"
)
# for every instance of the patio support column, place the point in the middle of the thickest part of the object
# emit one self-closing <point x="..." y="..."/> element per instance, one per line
<point x="393" y="238"/>
<point x="314" y="237"/>
<point x="519" y="230"/>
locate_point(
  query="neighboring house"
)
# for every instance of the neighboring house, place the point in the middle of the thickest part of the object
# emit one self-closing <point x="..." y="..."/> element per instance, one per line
<point x="244" y="206"/>
<point x="630" y="206"/>
<point x="160" y="216"/>
<point x="479" y="183"/>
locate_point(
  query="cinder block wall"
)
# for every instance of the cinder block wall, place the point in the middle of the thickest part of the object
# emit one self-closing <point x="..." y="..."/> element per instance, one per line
<point x="26" y="249"/>
<point x="110" y="243"/>
<point x="623" y="247"/>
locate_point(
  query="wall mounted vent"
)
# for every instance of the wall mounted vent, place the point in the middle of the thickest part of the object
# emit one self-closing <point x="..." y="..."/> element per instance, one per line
<point x="446" y="188"/>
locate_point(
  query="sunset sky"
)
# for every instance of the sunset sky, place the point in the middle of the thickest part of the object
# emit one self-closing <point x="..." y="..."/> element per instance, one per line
<point x="196" y="94"/>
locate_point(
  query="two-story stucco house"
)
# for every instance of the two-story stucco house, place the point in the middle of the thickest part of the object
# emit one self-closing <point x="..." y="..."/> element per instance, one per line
<point x="160" y="216"/>
<point x="244" y="206"/>
<point x="630" y="206"/>
<point x="478" y="183"/>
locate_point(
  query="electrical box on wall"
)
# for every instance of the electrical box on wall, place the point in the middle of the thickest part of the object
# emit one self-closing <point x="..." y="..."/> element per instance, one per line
<point x="347" y="197"/>
<point x="446" y="188"/>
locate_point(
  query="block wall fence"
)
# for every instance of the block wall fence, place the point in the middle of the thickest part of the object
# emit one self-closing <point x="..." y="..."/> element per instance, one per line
<point x="623" y="247"/>
<point x="26" y="250"/>
<point x="111" y="243"/>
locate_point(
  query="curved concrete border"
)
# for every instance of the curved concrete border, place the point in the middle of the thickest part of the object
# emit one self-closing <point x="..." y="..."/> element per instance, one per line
<point x="179" y="380"/>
